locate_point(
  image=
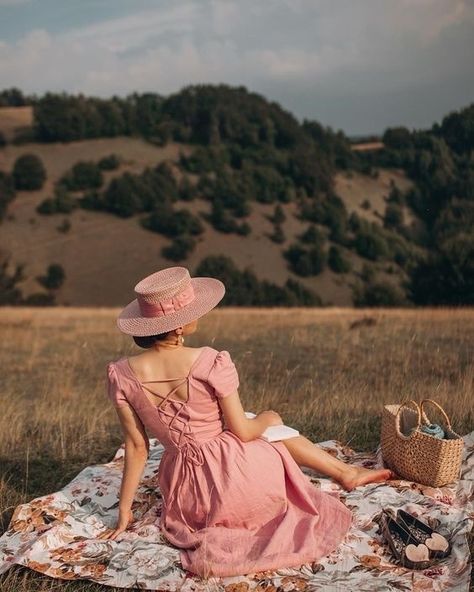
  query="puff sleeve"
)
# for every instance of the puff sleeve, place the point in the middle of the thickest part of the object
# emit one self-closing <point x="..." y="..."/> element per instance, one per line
<point x="223" y="376"/>
<point x="114" y="391"/>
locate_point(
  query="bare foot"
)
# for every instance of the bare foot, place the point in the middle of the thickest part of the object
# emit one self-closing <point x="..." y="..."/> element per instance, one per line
<point x="355" y="476"/>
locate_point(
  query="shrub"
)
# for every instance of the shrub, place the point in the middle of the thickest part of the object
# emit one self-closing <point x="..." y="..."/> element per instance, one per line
<point x="278" y="236"/>
<point x="278" y="215"/>
<point x="222" y="220"/>
<point x="393" y="218"/>
<point x="7" y="192"/>
<point x="9" y="292"/>
<point x="109" y="163"/>
<point x="379" y="294"/>
<point x="395" y="196"/>
<point x="354" y="222"/>
<point x="367" y="273"/>
<point x="447" y="276"/>
<point x="83" y="175"/>
<point x="203" y="160"/>
<point x="244" y="229"/>
<point x="370" y="245"/>
<point x="179" y="249"/>
<point x="303" y="296"/>
<point x="186" y="189"/>
<point x="28" y="173"/>
<point x="91" y="200"/>
<point x="306" y="262"/>
<point x="123" y="196"/>
<point x="331" y="212"/>
<point x="337" y="262"/>
<point x="397" y="138"/>
<point x="312" y="236"/>
<point x="61" y="203"/>
<point x="54" y="277"/>
<point x="40" y="299"/>
<point x="165" y="221"/>
<point x="244" y="289"/>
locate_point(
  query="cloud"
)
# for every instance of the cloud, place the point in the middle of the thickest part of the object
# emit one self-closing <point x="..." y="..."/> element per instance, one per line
<point x="311" y="55"/>
<point x="13" y="2"/>
<point x="125" y="33"/>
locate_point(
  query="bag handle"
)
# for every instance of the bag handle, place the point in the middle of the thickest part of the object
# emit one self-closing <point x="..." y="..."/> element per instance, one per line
<point x="397" y="417"/>
<point x="446" y="418"/>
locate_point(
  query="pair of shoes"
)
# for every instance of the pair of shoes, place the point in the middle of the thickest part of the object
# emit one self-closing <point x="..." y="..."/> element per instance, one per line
<point x="412" y="542"/>
<point x="439" y="545"/>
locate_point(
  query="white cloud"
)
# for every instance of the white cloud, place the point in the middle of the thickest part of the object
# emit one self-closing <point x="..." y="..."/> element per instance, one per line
<point x="310" y="49"/>
<point x="122" y="34"/>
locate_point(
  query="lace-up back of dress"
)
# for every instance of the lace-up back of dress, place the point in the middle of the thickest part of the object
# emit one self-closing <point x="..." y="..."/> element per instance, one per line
<point x="158" y="399"/>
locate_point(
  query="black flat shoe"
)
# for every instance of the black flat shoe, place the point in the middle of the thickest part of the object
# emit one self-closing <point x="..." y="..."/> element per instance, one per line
<point x="439" y="545"/>
<point x="406" y="549"/>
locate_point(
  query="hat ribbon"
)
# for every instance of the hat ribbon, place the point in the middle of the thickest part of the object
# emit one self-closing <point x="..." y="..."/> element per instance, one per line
<point x="168" y="306"/>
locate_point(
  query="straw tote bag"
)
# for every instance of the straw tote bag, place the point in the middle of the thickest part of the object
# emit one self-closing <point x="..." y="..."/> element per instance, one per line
<point x="417" y="456"/>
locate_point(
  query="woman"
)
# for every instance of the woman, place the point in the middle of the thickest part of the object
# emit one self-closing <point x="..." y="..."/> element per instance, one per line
<point x="233" y="502"/>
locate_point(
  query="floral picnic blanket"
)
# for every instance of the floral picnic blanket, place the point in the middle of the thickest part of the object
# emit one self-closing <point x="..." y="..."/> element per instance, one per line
<point x="57" y="535"/>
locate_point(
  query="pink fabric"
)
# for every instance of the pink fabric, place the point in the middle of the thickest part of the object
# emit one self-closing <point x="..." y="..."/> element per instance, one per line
<point x="164" y="307"/>
<point x="232" y="507"/>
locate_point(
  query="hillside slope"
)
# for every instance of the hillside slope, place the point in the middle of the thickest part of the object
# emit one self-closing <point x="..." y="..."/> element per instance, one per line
<point x="104" y="255"/>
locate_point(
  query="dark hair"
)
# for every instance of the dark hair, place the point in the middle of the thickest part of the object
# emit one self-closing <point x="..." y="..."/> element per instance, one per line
<point x="150" y="340"/>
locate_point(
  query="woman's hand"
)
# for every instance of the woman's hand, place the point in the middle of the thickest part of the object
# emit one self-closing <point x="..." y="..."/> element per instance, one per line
<point x="124" y="520"/>
<point x="271" y="418"/>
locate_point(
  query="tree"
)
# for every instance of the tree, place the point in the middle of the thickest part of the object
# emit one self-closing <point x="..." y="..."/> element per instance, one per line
<point x="370" y="245"/>
<point x="337" y="262"/>
<point x="7" y="192"/>
<point x="179" y="249"/>
<point x="83" y="175"/>
<point x="54" y="277"/>
<point x="61" y="203"/>
<point x="278" y="215"/>
<point x="397" y="138"/>
<point x="278" y="236"/>
<point x="379" y="294"/>
<point x="28" y="173"/>
<point x="393" y="218"/>
<point x="446" y="277"/>
<point x="306" y="262"/>
<point x="109" y="163"/>
<point x="9" y="292"/>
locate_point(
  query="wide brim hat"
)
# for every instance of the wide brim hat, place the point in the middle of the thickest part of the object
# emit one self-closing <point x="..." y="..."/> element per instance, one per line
<point x="168" y="299"/>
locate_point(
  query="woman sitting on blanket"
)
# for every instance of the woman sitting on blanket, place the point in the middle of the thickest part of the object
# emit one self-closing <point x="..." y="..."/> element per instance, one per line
<point x="233" y="502"/>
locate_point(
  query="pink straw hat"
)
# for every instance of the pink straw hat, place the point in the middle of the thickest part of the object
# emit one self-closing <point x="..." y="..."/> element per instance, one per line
<point x="168" y="299"/>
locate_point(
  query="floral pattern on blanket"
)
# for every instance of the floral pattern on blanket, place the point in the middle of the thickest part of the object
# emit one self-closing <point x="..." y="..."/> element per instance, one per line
<point x="57" y="535"/>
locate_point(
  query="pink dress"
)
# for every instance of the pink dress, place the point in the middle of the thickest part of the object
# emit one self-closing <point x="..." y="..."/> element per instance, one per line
<point x="232" y="507"/>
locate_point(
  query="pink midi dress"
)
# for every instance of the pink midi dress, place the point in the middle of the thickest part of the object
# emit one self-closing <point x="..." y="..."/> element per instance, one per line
<point x="231" y="507"/>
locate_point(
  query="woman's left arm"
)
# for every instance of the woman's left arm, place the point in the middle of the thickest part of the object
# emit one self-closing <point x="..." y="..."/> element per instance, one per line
<point x="136" y="454"/>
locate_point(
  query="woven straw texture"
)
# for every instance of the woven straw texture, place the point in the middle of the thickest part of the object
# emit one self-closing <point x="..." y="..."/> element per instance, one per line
<point x="162" y="285"/>
<point x="418" y="456"/>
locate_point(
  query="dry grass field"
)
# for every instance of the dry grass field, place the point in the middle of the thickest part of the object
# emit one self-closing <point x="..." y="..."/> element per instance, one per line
<point x="325" y="378"/>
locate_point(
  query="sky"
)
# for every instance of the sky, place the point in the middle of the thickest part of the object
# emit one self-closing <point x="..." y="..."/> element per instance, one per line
<point x="356" y="65"/>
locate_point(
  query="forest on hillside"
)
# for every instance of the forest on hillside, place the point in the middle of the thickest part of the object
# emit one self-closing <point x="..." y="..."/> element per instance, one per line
<point x="247" y="149"/>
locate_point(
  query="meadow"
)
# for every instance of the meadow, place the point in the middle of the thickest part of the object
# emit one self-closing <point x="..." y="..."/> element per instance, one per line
<point x="328" y="372"/>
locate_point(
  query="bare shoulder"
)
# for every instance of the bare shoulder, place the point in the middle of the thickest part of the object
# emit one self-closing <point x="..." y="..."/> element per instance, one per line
<point x="191" y="351"/>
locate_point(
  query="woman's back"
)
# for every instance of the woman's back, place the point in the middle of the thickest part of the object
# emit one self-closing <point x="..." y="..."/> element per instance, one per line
<point x="231" y="506"/>
<point x="189" y="410"/>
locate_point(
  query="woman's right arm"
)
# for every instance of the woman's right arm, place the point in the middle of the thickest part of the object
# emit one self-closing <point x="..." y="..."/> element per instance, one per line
<point x="244" y="428"/>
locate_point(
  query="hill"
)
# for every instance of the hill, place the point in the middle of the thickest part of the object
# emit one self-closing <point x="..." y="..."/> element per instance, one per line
<point x="224" y="182"/>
